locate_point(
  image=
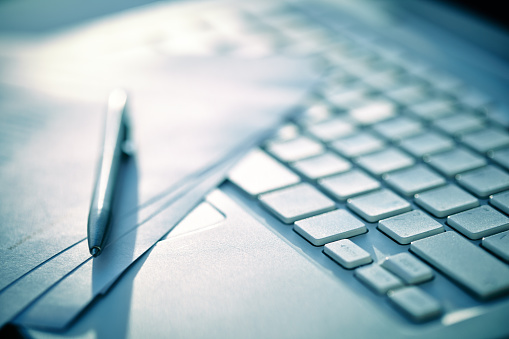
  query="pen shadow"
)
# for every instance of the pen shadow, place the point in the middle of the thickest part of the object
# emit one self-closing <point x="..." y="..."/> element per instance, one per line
<point x="125" y="201"/>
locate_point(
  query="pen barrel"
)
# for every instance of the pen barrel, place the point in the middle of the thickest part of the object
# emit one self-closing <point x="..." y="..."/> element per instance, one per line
<point x="99" y="217"/>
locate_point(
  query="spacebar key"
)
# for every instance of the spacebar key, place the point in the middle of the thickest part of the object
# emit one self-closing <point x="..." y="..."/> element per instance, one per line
<point x="468" y="265"/>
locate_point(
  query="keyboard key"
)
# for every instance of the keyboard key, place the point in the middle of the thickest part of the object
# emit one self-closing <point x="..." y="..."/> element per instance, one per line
<point x="258" y="173"/>
<point x="328" y="227"/>
<point x="408" y="95"/>
<point x="378" y="278"/>
<point x="349" y="99"/>
<point x="501" y="201"/>
<point x="484" y="181"/>
<point x="455" y="161"/>
<point x="408" y="268"/>
<point x="373" y="112"/>
<point x="414" y="180"/>
<point x="472" y="97"/>
<point x="459" y="123"/>
<point x="296" y="202"/>
<point x="447" y="200"/>
<point x="433" y="109"/>
<point x="315" y="113"/>
<point x="410" y="226"/>
<point x="501" y="157"/>
<point x="388" y="160"/>
<point x="296" y="149"/>
<point x="322" y="166"/>
<point x="466" y="264"/>
<point x="479" y="222"/>
<point x="378" y="205"/>
<point x="415" y="303"/>
<point x="385" y="80"/>
<point x="331" y="129"/>
<point x="398" y="128"/>
<point x="486" y="139"/>
<point x="498" y="244"/>
<point x="287" y="132"/>
<point x="358" y="144"/>
<point x="427" y="143"/>
<point x="441" y="80"/>
<point x="349" y="184"/>
<point x="347" y="254"/>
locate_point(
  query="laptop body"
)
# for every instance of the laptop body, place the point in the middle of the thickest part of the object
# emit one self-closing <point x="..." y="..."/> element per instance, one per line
<point x="243" y="272"/>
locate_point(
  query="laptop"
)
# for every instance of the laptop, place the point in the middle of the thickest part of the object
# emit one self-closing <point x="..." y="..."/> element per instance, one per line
<point x="379" y="208"/>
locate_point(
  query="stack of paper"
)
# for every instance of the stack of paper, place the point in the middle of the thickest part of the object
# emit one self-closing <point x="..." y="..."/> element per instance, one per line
<point x="193" y="116"/>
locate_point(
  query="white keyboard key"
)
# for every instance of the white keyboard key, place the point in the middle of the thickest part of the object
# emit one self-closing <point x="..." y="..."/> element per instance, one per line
<point x="385" y="161"/>
<point x="331" y="129"/>
<point x="414" y="180"/>
<point x="258" y="173"/>
<point x="486" y="139"/>
<point x="374" y="112"/>
<point x="322" y="166"/>
<point x="329" y="227"/>
<point x="441" y="80"/>
<point x="398" y="128"/>
<point x="287" y="132"/>
<point x="408" y="95"/>
<point x="378" y="205"/>
<point x="295" y="149"/>
<point x="501" y="201"/>
<point x="378" y="278"/>
<point x="472" y="97"/>
<point x="459" y="123"/>
<point x="447" y="200"/>
<point x="498" y="244"/>
<point x="347" y="254"/>
<point x="410" y="226"/>
<point x="385" y="80"/>
<point x="408" y="268"/>
<point x="296" y="202"/>
<point x="456" y="161"/>
<point x="432" y="109"/>
<point x="315" y="113"/>
<point x="415" y="303"/>
<point x="427" y="143"/>
<point x="349" y="99"/>
<point x="501" y="157"/>
<point x="484" y="181"/>
<point x="468" y="265"/>
<point x="479" y="222"/>
<point x="358" y="144"/>
<point x="349" y="184"/>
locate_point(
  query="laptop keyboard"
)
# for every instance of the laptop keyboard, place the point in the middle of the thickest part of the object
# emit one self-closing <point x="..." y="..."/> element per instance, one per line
<point x="386" y="147"/>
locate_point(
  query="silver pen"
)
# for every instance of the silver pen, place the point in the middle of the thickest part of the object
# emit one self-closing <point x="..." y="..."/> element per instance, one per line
<point x="115" y="134"/>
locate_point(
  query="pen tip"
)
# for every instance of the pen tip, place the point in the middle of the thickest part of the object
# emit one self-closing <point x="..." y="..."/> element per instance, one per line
<point x="95" y="251"/>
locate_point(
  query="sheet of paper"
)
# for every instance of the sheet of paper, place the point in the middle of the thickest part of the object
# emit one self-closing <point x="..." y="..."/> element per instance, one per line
<point x="180" y="131"/>
<point x="189" y="110"/>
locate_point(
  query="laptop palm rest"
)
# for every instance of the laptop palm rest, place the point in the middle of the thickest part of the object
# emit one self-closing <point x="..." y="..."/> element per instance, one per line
<point x="235" y="278"/>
